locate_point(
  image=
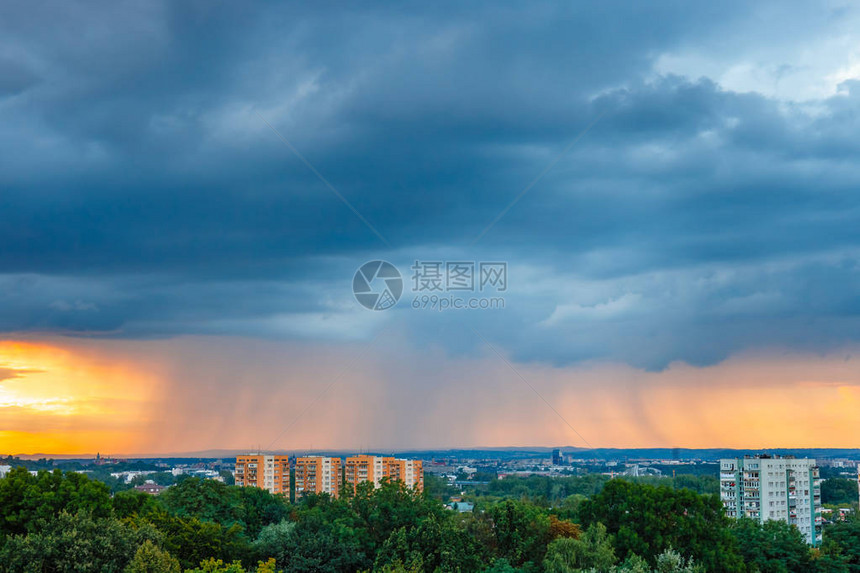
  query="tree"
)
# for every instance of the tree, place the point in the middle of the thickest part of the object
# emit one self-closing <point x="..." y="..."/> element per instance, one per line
<point x="130" y="503"/>
<point x="846" y="537"/>
<point x="839" y="491"/>
<point x="502" y="565"/>
<point x="563" y="528"/>
<point x="192" y="541"/>
<point x="772" y="546"/>
<point x="26" y="499"/>
<point x="435" y="544"/>
<point x="320" y="552"/>
<point x="829" y="558"/>
<point x="150" y="559"/>
<point x="209" y="500"/>
<point x="212" y="565"/>
<point x="76" y="543"/>
<point x="521" y="532"/>
<point x="646" y="520"/>
<point x="274" y="541"/>
<point x="591" y="550"/>
<point x="671" y="561"/>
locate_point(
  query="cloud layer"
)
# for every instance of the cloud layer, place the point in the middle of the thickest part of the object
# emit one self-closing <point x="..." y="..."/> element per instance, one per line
<point x="711" y="210"/>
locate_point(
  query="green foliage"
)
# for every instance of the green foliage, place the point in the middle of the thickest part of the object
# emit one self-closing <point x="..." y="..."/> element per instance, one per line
<point x="699" y="484"/>
<point x="274" y="541"/>
<point x="845" y="536"/>
<point x="79" y="543"/>
<point x="592" y="550"/>
<point x="647" y="520"/>
<point x="829" y="558"/>
<point x="150" y="559"/>
<point x="217" y="566"/>
<point x="131" y="502"/>
<point x="771" y="547"/>
<point x="25" y="499"/>
<point x="546" y="490"/>
<point x="673" y="562"/>
<point x="209" y="500"/>
<point x="161" y="478"/>
<point x="633" y="564"/>
<point x="436" y="544"/>
<point x="56" y="522"/>
<point x="192" y="540"/>
<point x="438" y="488"/>
<point x="522" y="532"/>
<point x="839" y="491"/>
<point x="502" y="566"/>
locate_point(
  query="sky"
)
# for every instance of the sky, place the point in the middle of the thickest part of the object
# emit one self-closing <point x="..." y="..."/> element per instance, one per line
<point x="187" y="191"/>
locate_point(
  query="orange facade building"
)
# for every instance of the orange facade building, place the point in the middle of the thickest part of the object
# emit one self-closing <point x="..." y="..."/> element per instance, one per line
<point x="318" y="474"/>
<point x="363" y="468"/>
<point x="321" y="474"/>
<point x="375" y="468"/>
<point x="410" y="472"/>
<point x="271" y="473"/>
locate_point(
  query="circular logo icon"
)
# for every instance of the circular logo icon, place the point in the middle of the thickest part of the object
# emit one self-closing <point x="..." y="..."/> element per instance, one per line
<point x="377" y="285"/>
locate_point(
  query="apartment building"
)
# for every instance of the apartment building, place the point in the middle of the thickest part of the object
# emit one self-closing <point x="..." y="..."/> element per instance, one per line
<point x="321" y="474"/>
<point x="269" y="472"/>
<point x="375" y="468"/>
<point x="363" y="468"/>
<point x="410" y="472"/>
<point x="773" y="487"/>
<point x="318" y="474"/>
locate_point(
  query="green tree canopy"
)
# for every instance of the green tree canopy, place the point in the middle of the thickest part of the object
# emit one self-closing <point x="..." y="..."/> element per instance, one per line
<point x="839" y="491"/>
<point x="27" y="500"/>
<point x="592" y="550"/>
<point x="150" y="559"/>
<point x="647" y="520"/>
<point x="79" y="543"/>
<point x="771" y="547"/>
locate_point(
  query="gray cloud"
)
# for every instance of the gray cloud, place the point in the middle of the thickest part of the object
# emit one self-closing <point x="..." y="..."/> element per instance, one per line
<point x="143" y="197"/>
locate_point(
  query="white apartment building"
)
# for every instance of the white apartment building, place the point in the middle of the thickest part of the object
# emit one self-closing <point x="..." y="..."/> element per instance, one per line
<point x="773" y="487"/>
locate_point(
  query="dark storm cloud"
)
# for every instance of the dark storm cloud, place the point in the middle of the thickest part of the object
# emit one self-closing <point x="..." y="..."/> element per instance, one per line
<point x="142" y="195"/>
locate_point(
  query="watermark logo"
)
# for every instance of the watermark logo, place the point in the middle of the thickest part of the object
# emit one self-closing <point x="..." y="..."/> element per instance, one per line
<point x="436" y="285"/>
<point x="377" y="285"/>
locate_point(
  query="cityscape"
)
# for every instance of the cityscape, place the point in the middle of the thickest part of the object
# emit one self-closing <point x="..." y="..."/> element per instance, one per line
<point x="439" y="287"/>
<point x="791" y="488"/>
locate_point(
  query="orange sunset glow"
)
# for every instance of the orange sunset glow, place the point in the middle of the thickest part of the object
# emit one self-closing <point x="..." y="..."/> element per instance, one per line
<point x="54" y="399"/>
<point x="82" y="397"/>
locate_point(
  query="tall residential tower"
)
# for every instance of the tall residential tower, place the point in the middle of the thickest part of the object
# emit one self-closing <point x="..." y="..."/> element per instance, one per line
<point x="772" y="487"/>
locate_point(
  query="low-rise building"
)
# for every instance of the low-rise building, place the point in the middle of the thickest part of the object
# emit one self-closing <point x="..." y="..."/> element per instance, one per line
<point x="150" y="488"/>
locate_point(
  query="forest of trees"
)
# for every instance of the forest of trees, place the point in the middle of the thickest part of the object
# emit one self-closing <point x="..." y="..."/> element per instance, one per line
<point x="839" y="491"/>
<point x="66" y="522"/>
